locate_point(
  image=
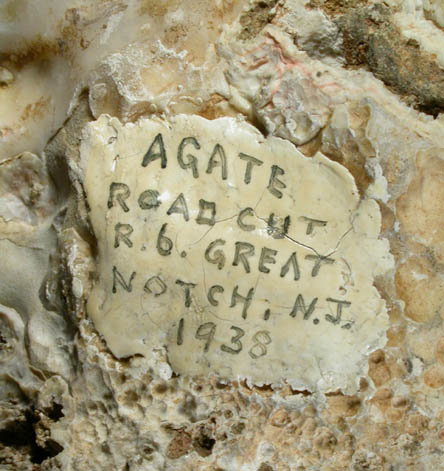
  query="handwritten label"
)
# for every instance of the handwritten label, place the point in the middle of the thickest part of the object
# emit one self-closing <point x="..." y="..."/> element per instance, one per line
<point x="236" y="253"/>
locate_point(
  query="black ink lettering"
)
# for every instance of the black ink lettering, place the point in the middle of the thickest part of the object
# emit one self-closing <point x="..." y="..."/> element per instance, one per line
<point x="218" y="258"/>
<point x="155" y="285"/>
<point x="118" y="278"/>
<point x="164" y="244"/>
<point x="235" y="340"/>
<point x="149" y="199"/>
<point x="250" y="162"/>
<point x="156" y="153"/>
<point x="339" y="306"/>
<point x="299" y="305"/>
<point x="266" y="257"/>
<point x="123" y="231"/>
<point x="180" y="207"/>
<point x="119" y="192"/>
<point x="203" y="206"/>
<point x="192" y="161"/>
<point x="319" y="260"/>
<point x="293" y="261"/>
<point x="180" y="331"/>
<point x="187" y="287"/>
<point x="277" y="232"/>
<point x="222" y="162"/>
<point x="243" y="250"/>
<point x="214" y="289"/>
<point x="311" y="223"/>
<point x="260" y="344"/>
<point x="245" y="300"/>
<point x="206" y="332"/>
<point x="240" y="219"/>
<point x="275" y="183"/>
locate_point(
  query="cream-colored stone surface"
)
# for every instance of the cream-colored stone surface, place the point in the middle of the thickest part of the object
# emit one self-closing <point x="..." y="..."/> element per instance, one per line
<point x="236" y="253"/>
<point x="352" y="86"/>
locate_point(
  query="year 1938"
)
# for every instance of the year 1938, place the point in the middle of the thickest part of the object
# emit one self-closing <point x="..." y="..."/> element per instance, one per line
<point x="207" y="331"/>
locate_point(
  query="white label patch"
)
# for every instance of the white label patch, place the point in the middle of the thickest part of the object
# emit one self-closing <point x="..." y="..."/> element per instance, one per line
<point x="237" y="253"/>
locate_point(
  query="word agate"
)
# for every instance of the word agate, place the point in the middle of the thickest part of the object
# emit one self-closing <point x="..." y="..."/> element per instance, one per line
<point x="236" y="253"/>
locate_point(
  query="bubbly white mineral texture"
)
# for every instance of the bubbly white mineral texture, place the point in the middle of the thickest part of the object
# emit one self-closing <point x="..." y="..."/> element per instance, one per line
<point x="221" y="235"/>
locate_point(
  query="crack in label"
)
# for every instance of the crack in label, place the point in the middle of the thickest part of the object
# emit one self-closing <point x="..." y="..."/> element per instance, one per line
<point x="236" y="253"/>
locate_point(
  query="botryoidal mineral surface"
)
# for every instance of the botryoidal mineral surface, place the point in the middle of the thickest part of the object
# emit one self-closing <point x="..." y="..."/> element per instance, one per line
<point x="221" y="235"/>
